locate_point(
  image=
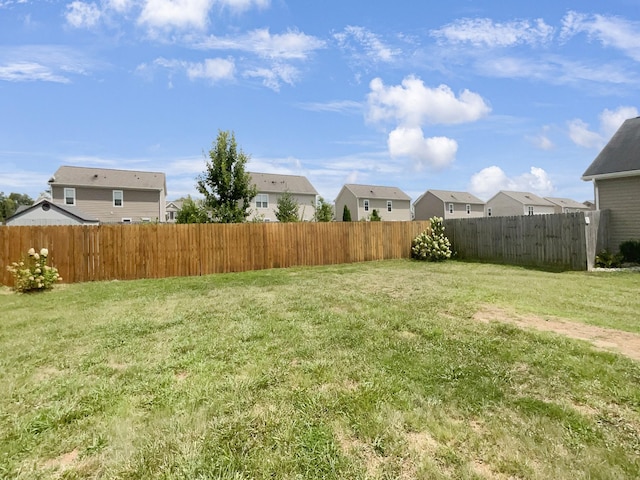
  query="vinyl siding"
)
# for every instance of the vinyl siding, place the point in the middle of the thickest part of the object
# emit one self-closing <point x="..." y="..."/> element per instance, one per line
<point x="306" y="203"/>
<point x="98" y="202"/>
<point x="622" y="197"/>
<point x="38" y="216"/>
<point x="429" y="206"/>
<point x="345" y="197"/>
<point x="503" y="205"/>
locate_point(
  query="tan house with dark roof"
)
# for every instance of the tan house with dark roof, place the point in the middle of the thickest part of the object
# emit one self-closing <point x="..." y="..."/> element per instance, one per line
<point x="566" y="205"/>
<point x="447" y="204"/>
<point x="111" y="196"/>
<point x="507" y="203"/>
<point x="615" y="174"/>
<point x="271" y="186"/>
<point x="390" y="202"/>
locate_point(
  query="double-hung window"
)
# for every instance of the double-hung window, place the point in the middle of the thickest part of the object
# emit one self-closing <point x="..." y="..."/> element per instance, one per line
<point x="262" y="200"/>
<point x="531" y="210"/>
<point x="365" y="203"/>
<point x="389" y="205"/>
<point x="451" y="208"/>
<point x="468" y="209"/>
<point x="69" y="196"/>
<point x="118" y="198"/>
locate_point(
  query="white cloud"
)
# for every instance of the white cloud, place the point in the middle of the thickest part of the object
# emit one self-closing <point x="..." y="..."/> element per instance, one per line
<point x="610" y="121"/>
<point x="83" y="15"/>
<point x="30" y="71"/>
<point x="162" y="14"/>
<point x="292" y="45"/>
<point x="243" y="5"/>
<point x="212" y="69"/>
<point x="489" y="181"/>
<point x="483" y="31"/>
<point x="611" y="31"/>
<point x="276" y="75"/>
<point x="414" y="104"/>
<point x="374" y="49"/>
<point x="336" y="106"/>
<point x="435" y="152"/>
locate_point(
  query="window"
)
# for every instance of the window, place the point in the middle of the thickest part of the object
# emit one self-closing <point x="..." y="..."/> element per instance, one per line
<point x="146" y="219"/>
<point x="366" y="205"/>
<point x="531" y="210"/>
<point x="468" y="209"/>
<point x="489" y="212"/>
<point x="118" y="198"/>
<point x="69" y="196"/>
<point x="389" y="205"/>
<point x="262" y="200"/>
<point x="451" y="208"/>
<point x="126" y="220"/>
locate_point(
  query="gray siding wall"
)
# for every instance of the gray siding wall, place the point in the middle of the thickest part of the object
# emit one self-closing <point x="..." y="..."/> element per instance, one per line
<point x="428" y="206"/>
<point x="38" y="216"/>
<point x="504" y="206"/>
<point x="98" y="202"/>
<point x="345" y="197"/>
<point x="306" y="203"/>
<point x="399" y="209"/>
<point x="622" y="197"/>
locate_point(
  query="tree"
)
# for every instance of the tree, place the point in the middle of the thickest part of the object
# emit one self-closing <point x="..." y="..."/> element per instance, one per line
<point x="191" y="212"/>
<point x="9" y="205"/>
<point x="287" y="208"/>
<point x="324" y="211"/>
<point x="225" y="184"/>
<point x="346" y="214"/>
<point x="375" y="216"/>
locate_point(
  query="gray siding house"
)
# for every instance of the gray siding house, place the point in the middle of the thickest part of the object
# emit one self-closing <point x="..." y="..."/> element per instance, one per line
<point x="507" y="203"/>
<point x="566" y="205"/>
<point x="271" y="186"/>
<point x="447" y="204"/>
<point x="390" y="202"/>
<point x="44" y="212"/>
<point x="615" y="174"/>
<point x="111" y="196"/>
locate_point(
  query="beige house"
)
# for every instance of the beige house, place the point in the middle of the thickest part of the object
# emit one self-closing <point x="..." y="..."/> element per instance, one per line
<point x="566" y="205"/>
<point x="506" y="203"/>
<point x="271" y="186"/>
<point x="615" y="173"/>
<point x="390" y="202"/>
<point x="447" y="204"/>
<point x="44" y="212"/>
<point x="171" y="210"/>
<point x="111" y="196"/>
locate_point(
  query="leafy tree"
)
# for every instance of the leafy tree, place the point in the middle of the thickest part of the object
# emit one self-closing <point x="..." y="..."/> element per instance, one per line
<point x="324" y="211"/>
<point x="375" y="216"/>
<point x="287" y="208"/>
<point x="346" y="214"/>
<point x="191" y="212"/>
<point x="9" y="205"/>
<point x="225" y="184"/>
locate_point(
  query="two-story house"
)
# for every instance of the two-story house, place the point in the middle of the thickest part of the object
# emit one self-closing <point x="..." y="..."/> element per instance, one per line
<point x="447" y="204"/>
<point x="507" y="203"/>
<point x="111" y="196"/>
<point x="271" y="186"/>
<point x="391" y="203"/>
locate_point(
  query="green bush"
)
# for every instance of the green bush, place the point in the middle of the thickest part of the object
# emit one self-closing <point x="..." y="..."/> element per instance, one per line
<point x="432" y="245"/>
<point x="606" y="259"/>
<point x="630" y="251"/>
<point x="32" y="272"/>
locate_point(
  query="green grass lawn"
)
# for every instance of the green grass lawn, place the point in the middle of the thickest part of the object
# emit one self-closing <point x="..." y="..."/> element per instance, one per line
<point x="375" y="370"/>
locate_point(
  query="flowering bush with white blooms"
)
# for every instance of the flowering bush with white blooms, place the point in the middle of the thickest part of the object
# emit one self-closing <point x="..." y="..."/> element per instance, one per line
<point x="32" y="272"/>
<point x="433" y="245"/>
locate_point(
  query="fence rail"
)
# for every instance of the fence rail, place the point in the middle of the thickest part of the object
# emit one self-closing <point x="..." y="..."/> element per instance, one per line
<point x="535" y="240"/>
<point x="124" y="252"/>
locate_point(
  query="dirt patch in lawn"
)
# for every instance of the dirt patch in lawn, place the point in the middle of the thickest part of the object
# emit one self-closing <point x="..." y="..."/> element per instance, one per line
<point x="625" y="343"/>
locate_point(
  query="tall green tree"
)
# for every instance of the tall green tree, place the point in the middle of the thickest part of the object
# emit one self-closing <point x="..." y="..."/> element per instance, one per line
<point x="225" y="184"/>
<point x="287" y="208"/>
<point x="191" y="212"/>
<point x="346" y="214"/>
<point x="324" y="211"/>
<point x="9" y="204"/>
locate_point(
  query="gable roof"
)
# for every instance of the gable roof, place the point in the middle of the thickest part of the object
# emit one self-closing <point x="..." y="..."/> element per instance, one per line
<point x="567" y="203"/>
<point x="276" y="183"/>
<point x="452" y="196"/>
<point x="525" y="198"/>
<point x="108" y="178"/>
<point x="45" y="204"/>
<point x="621" y="155"/>
<point x="376" y="191"/>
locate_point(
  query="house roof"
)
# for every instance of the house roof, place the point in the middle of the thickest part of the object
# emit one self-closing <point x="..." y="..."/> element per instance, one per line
<point x="567" y="203"/>
<point x="108" y="178"/>
<point x="451" y="196"/>
<point x="621" y="155"/>
<point x="276" y="183"/>
<point x="376" y="191"/>
<point x="46" y="204"/>
<point x="525" y="198"/>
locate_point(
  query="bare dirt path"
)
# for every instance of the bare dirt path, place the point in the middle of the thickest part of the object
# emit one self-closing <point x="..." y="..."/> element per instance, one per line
<point x="626" y="343"/>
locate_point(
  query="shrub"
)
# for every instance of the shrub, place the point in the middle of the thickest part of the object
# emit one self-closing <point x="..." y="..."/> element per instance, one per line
<point x="432" y="245"/>
<point x="32" y="272"/>
<point x="346" y="214"/>
<point x="630" y="251"/>
<point x="375" y="216"/>
<point x="606" y="259"/>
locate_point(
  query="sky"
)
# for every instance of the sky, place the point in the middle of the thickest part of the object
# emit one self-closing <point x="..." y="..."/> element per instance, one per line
<point x="465" y="95"/>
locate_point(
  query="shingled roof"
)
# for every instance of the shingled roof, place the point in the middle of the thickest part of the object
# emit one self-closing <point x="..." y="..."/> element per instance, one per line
<point x="375" y="191"/>
<point x="276" y="183"/>
<point x="458" y="197"/>
<point x="619" y="157"/>
<point x="108" y="178"/>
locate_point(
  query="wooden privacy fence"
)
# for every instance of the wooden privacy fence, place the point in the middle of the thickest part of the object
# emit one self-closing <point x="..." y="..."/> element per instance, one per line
<point x="124" y="252"/>
<point x="534" y="240"/>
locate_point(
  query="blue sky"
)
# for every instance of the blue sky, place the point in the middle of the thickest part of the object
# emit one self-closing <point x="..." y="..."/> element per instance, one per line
<point x="457" y="95"/>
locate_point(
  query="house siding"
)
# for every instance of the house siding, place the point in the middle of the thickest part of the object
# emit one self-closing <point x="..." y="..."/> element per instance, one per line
<point x="306" y="202"/>
<point x="38" y="216"/>
<point x="429" y="206"/>
<point x="346" y="197"/>
<point x="502" y="205"/>
<point x="399" y="209"/>
<point x="616" y="195"/>
<point x="98" y="202"/>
